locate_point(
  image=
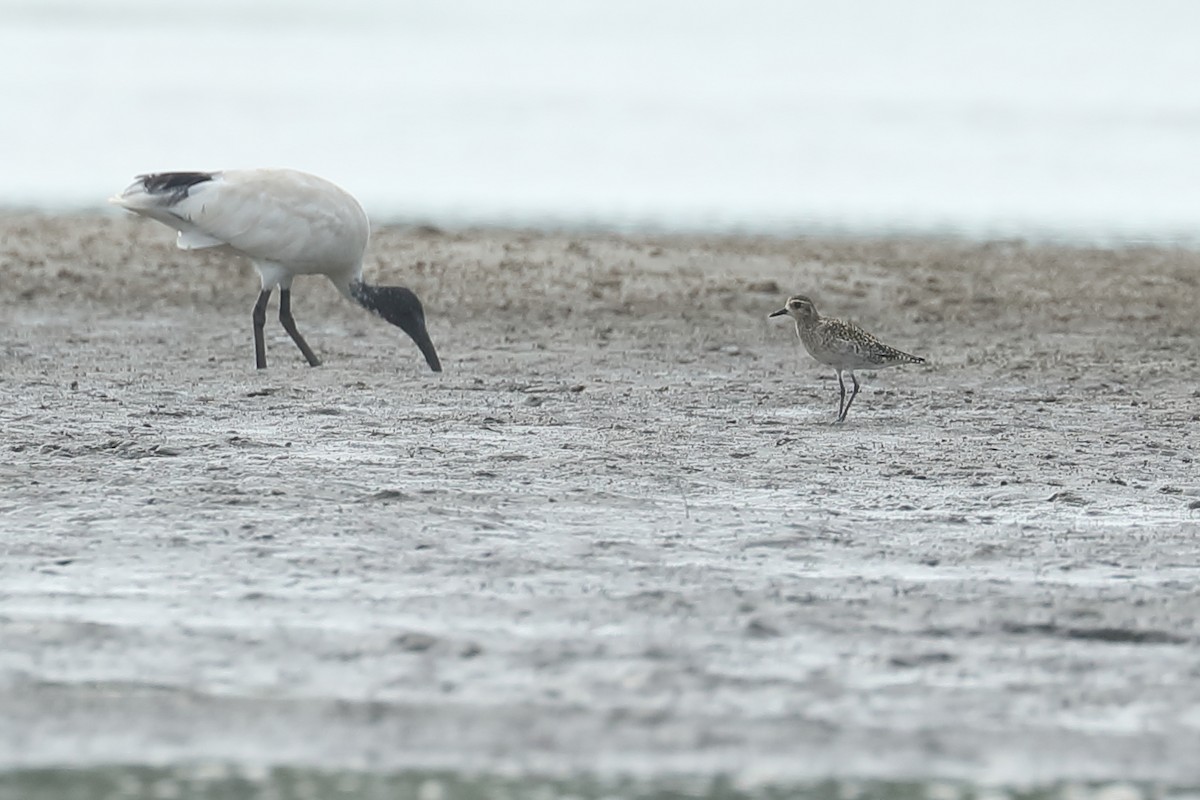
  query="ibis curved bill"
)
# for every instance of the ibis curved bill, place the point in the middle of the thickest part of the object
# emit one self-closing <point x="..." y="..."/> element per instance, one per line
<point x="287" y="223"/>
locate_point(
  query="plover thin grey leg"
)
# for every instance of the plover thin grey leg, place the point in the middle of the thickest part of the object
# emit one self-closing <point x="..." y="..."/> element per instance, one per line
<point x="841" y="396"/>
<point x="853" y="395"/>
<point x="260" y="319"/>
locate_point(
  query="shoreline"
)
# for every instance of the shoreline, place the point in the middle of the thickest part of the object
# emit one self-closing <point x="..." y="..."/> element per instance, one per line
<point x="1089" y="237"/>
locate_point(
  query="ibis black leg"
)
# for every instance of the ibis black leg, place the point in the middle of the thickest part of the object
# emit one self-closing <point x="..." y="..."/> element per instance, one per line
<point x="260" y="319"/>
<point x="841" y="396"/>
<point x="289" y="325"/>
<point x="853" y="395"/>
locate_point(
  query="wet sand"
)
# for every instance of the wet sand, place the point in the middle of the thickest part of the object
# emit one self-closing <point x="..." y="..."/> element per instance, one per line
<point x="619" y="533"/>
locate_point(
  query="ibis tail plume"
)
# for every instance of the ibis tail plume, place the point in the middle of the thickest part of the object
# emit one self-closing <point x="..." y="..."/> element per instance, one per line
<point x="287" y="223"/>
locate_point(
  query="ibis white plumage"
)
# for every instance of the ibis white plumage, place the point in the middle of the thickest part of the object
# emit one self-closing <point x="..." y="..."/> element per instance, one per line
<point x="287" y="223"/>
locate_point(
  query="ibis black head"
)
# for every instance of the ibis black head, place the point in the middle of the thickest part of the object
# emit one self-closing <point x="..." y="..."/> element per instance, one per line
<point x="400" y="307"/>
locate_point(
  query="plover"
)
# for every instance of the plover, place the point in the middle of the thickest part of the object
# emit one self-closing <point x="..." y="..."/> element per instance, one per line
<point x="842" y="345"/>
<point x="287" y="223"/>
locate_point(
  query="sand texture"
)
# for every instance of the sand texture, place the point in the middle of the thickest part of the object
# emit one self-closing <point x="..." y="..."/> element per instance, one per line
<point x="619" y="533"/>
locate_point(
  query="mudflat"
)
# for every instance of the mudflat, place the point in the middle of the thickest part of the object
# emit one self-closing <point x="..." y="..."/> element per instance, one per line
<point x="620" y="533"/>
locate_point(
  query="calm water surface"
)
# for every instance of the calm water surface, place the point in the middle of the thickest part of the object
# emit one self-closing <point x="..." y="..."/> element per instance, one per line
<point x="1068" y="119"/>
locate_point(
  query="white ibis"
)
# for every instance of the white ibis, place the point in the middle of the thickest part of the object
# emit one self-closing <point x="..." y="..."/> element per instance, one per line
<point x="287" y="223"/>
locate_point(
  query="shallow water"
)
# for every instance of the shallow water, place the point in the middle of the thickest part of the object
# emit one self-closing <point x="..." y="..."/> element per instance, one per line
<point x="1067" y="119"/>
